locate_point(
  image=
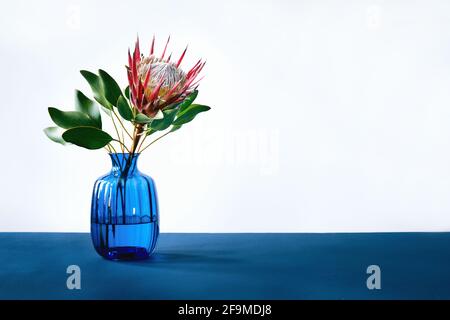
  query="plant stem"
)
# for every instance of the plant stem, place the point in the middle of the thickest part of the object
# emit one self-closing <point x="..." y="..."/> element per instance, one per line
<point x="121" y="123"/>
<point x="112" y="147"/>
<point x="118" y="135"/>
<point x="108" y="148"/>
<point x="165" y="134"/>
<point x="142" y="143"/>
<point x="122" y="145"/>
<point x="138" y="129"/>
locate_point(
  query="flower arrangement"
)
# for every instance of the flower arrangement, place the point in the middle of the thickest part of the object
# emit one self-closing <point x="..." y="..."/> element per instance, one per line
<point x="158" y="99"/>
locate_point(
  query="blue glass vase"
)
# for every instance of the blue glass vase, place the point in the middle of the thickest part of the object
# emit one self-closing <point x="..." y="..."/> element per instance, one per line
<point x="124" y="211"/>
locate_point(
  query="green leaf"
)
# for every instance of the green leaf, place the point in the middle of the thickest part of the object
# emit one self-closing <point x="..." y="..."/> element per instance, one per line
<point x="111" y="89"/>
<point x="105" y="109"/>
<point x="87" y="137"/>
<point x="124" y="108"/>
<point x="172" y="106"/>
<point x="150" y="131"/>
<point x="175" y="128"/>
<point x="54" y="134"/>
<point x="142" y="118"/>
<point x="188" y="101"/>
<point x="88" y="107"/>
<point x="127" y="92"/>
<point x="164" y="123"/>
<point x="190" y="113"/>
<point x="97" y="88"/>
<point x="70" y="119"/>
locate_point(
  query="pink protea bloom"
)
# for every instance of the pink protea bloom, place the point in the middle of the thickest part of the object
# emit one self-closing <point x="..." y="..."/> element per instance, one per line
<point x="156" y="82"/>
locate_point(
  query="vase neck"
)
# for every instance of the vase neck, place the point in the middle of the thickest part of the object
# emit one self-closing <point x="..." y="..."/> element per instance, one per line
<point x="124" y="163"/>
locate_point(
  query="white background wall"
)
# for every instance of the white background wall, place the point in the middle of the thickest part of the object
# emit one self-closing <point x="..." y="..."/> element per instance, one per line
<point x="327" y="115"/>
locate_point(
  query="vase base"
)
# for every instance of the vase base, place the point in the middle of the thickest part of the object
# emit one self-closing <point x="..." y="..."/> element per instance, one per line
<point x="125" y="253"/>
<point x="124" y="241"/>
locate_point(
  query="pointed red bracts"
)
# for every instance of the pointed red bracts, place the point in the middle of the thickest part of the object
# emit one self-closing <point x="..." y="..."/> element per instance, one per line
<point x="181" y="58"/>
<point x="152" y="48"/>
<point x="156" y="83"/>
<point x="165" y="48"/>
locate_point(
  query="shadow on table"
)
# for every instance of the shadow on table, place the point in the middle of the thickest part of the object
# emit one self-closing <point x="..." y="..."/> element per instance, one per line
<point x="187" y="258"/>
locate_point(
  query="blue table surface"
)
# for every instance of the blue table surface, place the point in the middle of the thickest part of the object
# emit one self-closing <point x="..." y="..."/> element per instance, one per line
<point x="231" y="266"/>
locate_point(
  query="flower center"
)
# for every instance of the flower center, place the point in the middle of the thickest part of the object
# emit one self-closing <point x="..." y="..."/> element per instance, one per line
<point x="166" y="72"/>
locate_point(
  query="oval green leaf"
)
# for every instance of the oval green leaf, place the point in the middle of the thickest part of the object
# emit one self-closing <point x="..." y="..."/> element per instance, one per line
<point x="187" y="102"/>
<point x="124" y="108"/>
<point x="97" y="88"/>
<point x="70" y="119"/>
<point x="142" y="118"/>
<point x="165" y="122"/>
<point x="175" y="128"/>
<point x="111" y="88"/>
<point x="190" y="113"/>
<point x="87" y="137"/>
<point x="54" y="134"/>
<point x="88" y="107"/>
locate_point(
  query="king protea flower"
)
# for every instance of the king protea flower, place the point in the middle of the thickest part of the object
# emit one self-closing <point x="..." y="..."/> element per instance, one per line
<point x="156" y="82"/>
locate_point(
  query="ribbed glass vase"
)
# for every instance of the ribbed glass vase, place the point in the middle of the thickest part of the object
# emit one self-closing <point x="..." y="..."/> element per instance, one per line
<point x="124" y="211"/>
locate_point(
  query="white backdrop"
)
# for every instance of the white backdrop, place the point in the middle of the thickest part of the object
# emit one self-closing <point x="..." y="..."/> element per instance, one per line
<point x="327" y="116"/>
